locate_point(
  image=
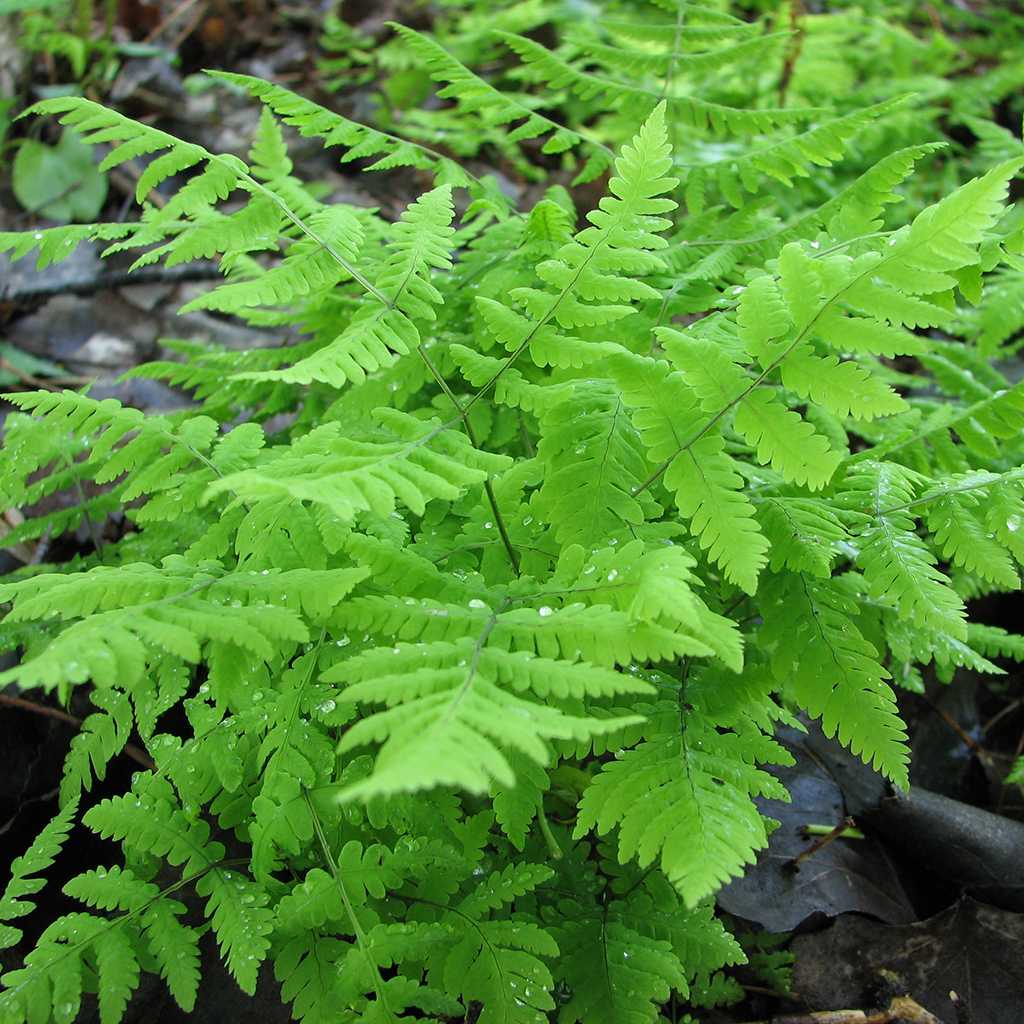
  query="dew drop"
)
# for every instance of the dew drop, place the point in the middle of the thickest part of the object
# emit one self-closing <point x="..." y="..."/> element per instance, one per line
<point x="477" y="604"/>
<point x="545" y="611"/>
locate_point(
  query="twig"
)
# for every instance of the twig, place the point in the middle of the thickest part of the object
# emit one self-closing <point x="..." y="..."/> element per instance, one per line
<point x="26" y="705"/>
<point x="794" y="863"/>
<point x="40" y="382"/>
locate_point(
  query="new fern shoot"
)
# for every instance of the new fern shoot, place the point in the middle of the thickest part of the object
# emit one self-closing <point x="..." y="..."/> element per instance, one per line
<point x="482" y="651"/>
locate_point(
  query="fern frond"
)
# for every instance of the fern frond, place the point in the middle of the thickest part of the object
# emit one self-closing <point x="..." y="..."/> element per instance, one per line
<point x="622" y="234"/>
<point x="651" y="583"/>
<point x="689" y="110"/>
<point x="686" y="37"/>
<point x="56" y="244"/>
<point x="963" y="536"/>
<point x="784" y="160"/>
<point x="1000" y="316"/>
<point x="634" y="973"/>
<point x="38" y="857"/>
<point x="495" y="107"/>
<point x="362" y="142"/>
<point x="51" y="982"/>
<point x="662" y="65"/>
<point x="804" y="534"/>
<point x="686" y="798"/>
<point x="898" y="566"/>
<point x="381" y="331"/>
<point x="97" y="123"/>
<point x="235" y="906"/>
<point x="844" y="388"/>
<point x="498" y="961"/>
<point x="349" y="476"/>
<point x="446" y="700"/>
<point x="695" y="934"/>
<point x="835" y="672"/>
<point x="516" y="807"/>
<point x="511" y="387"/>
<point x="103" y="735"/>
<point x="152" y="458"/>
<point x="781" y="437"/>
<point x="708" y="491"/>
<point x="593" y="461"/>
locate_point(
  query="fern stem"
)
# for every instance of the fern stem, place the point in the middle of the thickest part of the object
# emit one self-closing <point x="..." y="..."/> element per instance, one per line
<point x="74" y="950"/>
<point x="40" y="709"/>
<point x="761" y="377"/>
<point x="253" y="185"/>
<point x="293" y="712"/>
<point x="357" y="928"/>
<point x="674" y="55"/>
<point x="554" y="850"/>
<point x="568" y="290"/>
<point x="1014" y="474"/>
<point x="463" y="416"/>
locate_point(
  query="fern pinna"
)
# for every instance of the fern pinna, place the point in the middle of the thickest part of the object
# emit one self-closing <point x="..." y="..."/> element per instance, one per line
<point x="482" y="651"/>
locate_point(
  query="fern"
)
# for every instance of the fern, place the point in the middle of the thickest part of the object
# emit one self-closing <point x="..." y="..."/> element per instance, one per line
<point x="39" y="856"/>
<point x="466" y="621"/>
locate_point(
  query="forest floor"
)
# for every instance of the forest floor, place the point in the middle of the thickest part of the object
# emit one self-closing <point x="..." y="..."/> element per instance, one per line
<point x="930" y="888"/>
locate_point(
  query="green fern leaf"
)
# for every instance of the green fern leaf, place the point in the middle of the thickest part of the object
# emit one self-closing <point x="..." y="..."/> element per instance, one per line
<point x="510" y="386"/>
<point x="104" y="734"/>
<point x="844" y="388"/>
<point x="446" y="702"/>
<point x="118" y="969"/>
<point x="785" y="440"/>
<point x="803" y="532"/>
<point x="632" y="976"/>
<point x="696" y="935"/>
<point x="706" y="487"/>
<point x="237" y="910"/>
<point x="593" y="462"/>
<point x="962" y="536"/>
<point x="783" y="160"/>
<point x="496" y="107"/>
<point x="898" y="566"/>
<point x="350" y="476"/>
<point x="516" y="807"/>
<point x="313" y="120"/>
<point x="689" y="110"/>
<point x="38" y="857"/>
<point x="383" y="330"/>
<point x="688" y="798"/>
<point x="835" y="672"/>
<point x="498" y="962"/>
<point x="49" y="986"/>
<point x="175" y="947"/>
